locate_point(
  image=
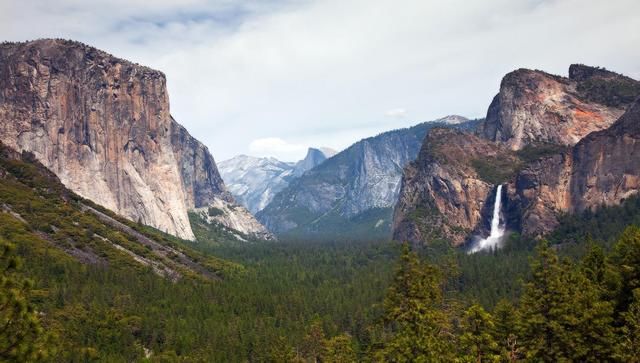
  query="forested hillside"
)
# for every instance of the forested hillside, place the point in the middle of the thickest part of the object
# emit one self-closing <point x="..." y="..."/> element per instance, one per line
<point x="100" y="293"/>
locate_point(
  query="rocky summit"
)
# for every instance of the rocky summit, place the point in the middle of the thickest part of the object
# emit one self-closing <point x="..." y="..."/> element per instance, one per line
<point x="103" y="126"/>
<point x="534" y="106"/>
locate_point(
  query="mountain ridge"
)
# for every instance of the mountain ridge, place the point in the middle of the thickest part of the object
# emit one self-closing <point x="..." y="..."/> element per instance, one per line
<point x="359" y="183"/>
<point x="254" y="181"/>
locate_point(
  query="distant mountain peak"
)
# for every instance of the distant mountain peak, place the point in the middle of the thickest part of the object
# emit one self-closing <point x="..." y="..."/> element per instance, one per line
<point x="327" y="151"/>
<point x="254" y="181"/>
<point x="452" y="119"/>
<point x="315" y="156"/>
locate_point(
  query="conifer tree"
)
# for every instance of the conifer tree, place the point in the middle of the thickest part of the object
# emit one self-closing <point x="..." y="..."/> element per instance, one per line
<point x="414" y="317"/>
<point x="594" y="264"/>
<point x="562" y="316"/>
<point x="504" y="317"/>
<point x="281" y="351"/>
<point x="629" y="346"/>
<point x="625" y="260"/>
<point x="593" y="315"/>
<point x="21" y="336"/>
<point x="478" y="340"/>
<point x="339" y="349"/>
<point x="542" y="307"/>
<point x="314" y="342"/>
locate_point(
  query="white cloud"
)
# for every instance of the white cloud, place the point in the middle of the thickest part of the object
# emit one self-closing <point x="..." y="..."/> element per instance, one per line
<point x="276" y="147"/>
<point x="396" y="113"/>
<point x="317" y="71"/>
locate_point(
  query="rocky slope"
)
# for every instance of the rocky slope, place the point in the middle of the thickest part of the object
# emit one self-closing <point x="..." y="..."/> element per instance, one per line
<point x="255" y="181"/>
<point x="355" y="188"/>
<point x="103" y="126"/>
<point x="446" y="190"/>
<point x="37" y="210"/>
<point x="534" y="106"/>
<point x="603" y="169"/>
<point x="523" y="143"/>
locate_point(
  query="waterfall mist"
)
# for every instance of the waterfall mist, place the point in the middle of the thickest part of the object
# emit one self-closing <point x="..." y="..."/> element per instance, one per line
<point x="497" y="231"/>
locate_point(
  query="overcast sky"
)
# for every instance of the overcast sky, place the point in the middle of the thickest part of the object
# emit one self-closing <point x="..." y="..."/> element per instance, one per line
<point x="273" y="77"/>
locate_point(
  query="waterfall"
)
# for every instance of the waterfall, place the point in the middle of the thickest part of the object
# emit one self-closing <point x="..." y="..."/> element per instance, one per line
<point x="496" y="230"/>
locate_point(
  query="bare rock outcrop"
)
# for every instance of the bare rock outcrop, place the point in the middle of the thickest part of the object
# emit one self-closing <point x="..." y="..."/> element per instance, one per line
<point x="603" y="169"/>
<point x="534" y="106"/>
<point x="103" y="126"/>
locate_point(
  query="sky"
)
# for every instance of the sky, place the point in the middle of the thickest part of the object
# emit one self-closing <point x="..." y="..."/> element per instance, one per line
<point x="273" y="77"/>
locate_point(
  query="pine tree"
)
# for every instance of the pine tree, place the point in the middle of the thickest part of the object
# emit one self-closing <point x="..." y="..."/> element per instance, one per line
<point x="594" y="264"/>
<point x="339" y="349"/>
<point x="629" y="346"/>
<point x="593" y="315"/>
<point x="625" y="260"/>
<point x="504" y="317"/>
<point x="281" y="351"/>
<point x="541" y="306"/>
<point x="478" y="340"/>
<point x="562" y="315"/>
<point x="21" y="336"/>
<point x="416" y="324"/>
<point x="314" y="342"/>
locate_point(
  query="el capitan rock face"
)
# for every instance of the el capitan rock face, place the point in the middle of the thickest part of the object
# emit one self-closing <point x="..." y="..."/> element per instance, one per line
<point x="103" y="126"/>
<point x="534" y="106"/>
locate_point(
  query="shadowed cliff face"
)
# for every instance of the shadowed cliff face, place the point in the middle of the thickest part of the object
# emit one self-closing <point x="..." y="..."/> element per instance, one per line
<point x="601" y="170"/>
<point x="534" y="106"/>
<point x="200" y="177"/>
<point x="103" y="126"/>
<point x="445" y="192"/>
<point x="357" y="187"/>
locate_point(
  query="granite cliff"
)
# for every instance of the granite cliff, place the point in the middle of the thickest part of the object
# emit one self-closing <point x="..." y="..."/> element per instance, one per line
<point x="103" y="126"/>
<point x="603" y="169"/>
<point x="445" y="190"/>
<point x="534" y="106"/>
<point x="354" y="191"/>
<point x="554" y="143"/>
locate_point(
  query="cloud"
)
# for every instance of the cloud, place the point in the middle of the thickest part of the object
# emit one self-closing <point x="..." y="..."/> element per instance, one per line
<point x="277" y="147"/>
<point x="310" y="70"/>
<point x="396" y="113"/>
